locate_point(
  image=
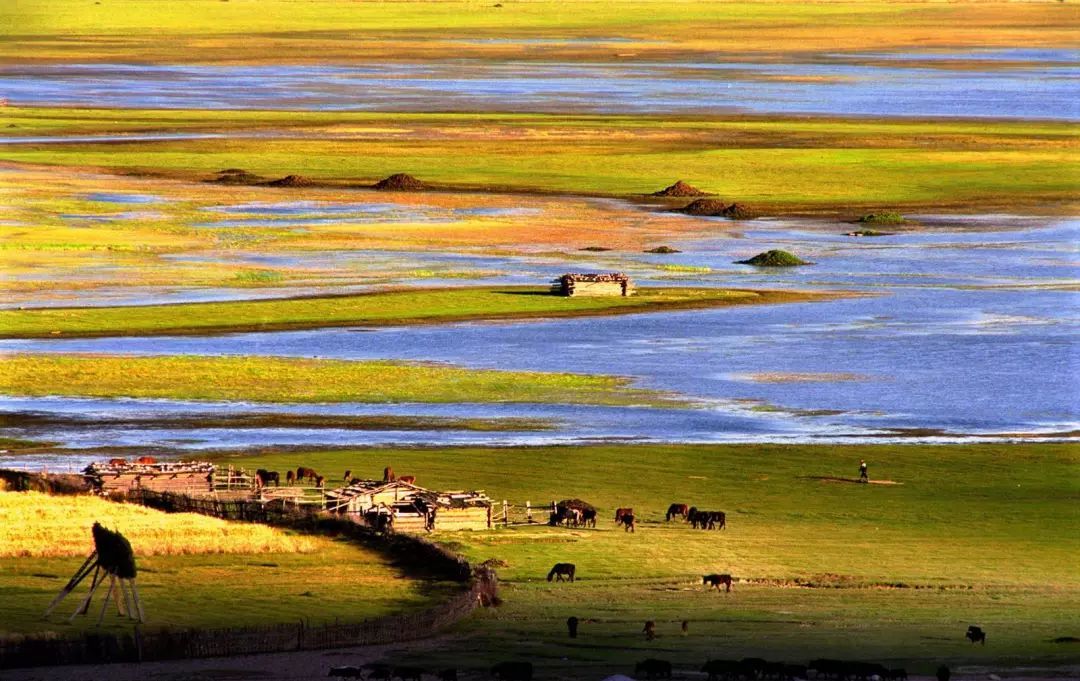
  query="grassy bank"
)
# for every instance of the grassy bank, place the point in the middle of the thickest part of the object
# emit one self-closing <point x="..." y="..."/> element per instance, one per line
<point x="339" y="30"/>
<point x="387" y="308"/>
<point x="194" y="571"/>
<point x="776" y="164"/>
<point x="279" y="379"/>
<point x="980" y="534"/>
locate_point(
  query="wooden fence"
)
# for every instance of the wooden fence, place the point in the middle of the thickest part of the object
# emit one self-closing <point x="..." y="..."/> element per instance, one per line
<point x="413" y="552"/>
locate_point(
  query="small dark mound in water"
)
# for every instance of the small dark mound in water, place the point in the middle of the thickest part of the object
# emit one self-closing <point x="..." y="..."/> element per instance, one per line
<point x="400" y="182"/>
<point x="774" y="258"/>
<point x="236" y="176"/>
<point x="737" y="211"/>
<point x="594" y="249"/>
<point x="717" y="208"/>
<point x="886" y="218"/>
<point x="680" y="188"/>
<point x="663" y="249"/>
<point x="291" y="181"/>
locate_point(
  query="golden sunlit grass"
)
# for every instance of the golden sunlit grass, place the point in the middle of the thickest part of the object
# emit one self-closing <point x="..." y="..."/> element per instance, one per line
<point x="39" y="525"/>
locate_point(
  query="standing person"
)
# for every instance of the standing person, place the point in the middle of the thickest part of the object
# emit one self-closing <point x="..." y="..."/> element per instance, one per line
<point x="862" y="471"/>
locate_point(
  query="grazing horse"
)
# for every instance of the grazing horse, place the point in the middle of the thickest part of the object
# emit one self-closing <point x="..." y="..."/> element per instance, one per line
<point x="717" y="520"/>
<point x="975" y="635"/>
<point x="408" y="479"/>
<point x="388" y="474"/>
<point x="306" y="473"/>
<point x="588" y="517"/>
<point x="718" y="581"/>
<point x="347" y="477"/>
<point x="629" y="523"/>
<point x="320" y="481"/>
<point x="263" y="478"/>
<point x="679" y="510"/>
<point x="620" y="512"/>
<point x="654" y="669"/>
<point x="561" y="570"/>
<point x="290" y="478"/>
<point x="650" y="632"/>
<point x="146" y="460"/>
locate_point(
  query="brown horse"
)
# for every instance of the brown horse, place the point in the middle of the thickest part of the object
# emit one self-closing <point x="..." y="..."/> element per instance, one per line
<point x="677" y="510"/>
<point x="629" y="523"/>
<point x="290" y="478"/>
<point x="306" y="473"/>
<point x="588" y="517"/>
<point x="347" y="477"/>
<point x="718" y="581"/>
<point x="620" y="512"/>
<point x="263" y="478"/>
<point x="388" y="474"/>
<point x="146" y="460"/>
<point x="408" y="479"/>
<point x="320" y="481"/>
<point x="117" y="462"/>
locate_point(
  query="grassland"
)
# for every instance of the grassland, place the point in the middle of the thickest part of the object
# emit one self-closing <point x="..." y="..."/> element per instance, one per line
<point x="279" y="379"/>
<point x="982" y="534"/>
<point x="339" y="30"/>
<point x="193" y="570"/>
<point x="844" y="167"/>
<point x="386" y="308"/>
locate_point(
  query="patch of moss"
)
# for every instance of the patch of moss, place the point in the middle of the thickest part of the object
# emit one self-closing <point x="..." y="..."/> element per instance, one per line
<point x="774" y="258"/>
<point x="885" y="218"/>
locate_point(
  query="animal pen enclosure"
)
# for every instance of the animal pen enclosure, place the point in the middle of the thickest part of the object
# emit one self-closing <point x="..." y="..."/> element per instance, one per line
<point x="118" y="477"/>
<point x="586" y="284"/>
<point x="404" y="507"/>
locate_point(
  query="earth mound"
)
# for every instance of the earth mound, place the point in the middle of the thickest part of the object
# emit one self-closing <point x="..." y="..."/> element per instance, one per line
<point x="291" y="181"/>
<point x="400" y="182"/>
<point x="663" y="249"/>
<point x="737" y="211"/>
<point x="236" y="176"/>
<point x="680" y="188"/>
<point x="774" y="258"/>
<point x="717" y="208"/>
<point x="595" y="249"/>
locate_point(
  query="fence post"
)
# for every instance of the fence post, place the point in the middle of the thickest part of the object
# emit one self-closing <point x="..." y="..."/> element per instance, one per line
<point x="528" y="512"/>
<point x="506" y="514"/>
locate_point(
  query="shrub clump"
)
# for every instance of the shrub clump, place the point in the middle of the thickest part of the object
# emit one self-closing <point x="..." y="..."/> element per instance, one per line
<point x="774" y="258"/>
<point x="885" y="218"/>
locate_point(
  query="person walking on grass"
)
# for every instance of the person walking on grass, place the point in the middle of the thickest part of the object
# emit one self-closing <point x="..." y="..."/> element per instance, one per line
<point x="862" y="471"/>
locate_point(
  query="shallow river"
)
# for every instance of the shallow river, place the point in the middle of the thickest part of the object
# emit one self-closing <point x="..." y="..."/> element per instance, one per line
<point x="1037" y="84"/>
<point x="971" y="332"/>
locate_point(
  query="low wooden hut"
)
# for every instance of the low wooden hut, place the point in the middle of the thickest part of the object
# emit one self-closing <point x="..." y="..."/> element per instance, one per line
<point x="182" y="477"/>
<point x="593" y="284"/>
<point x="405" y="507"/>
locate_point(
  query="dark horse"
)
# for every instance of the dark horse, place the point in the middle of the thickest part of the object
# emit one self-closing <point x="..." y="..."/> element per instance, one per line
<point x="718" y="581"/>
<point x="620" y="513"/>
<point x="976" y="635"/>
<point x="264" y="477"/>
<point x="629" y="522"/>
<point x="308" y="473"/>
<point x="388" y="474"/>
<point x="562" y="570"/>
<point x="588" y="517"/>
<point x="677" y="510"/>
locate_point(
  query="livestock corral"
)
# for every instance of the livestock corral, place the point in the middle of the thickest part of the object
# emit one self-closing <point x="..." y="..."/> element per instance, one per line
<point x="593" y="284"/>
<point x="120" y="476"/>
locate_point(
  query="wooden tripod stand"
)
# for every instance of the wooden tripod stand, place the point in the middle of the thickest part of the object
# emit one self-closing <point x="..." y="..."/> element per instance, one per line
<point x="112" y="558"/>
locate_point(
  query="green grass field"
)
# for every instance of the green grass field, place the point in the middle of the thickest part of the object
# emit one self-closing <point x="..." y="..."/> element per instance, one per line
<point x="842" y="166"/>
<point x="980" y="534"/>
<point x="386" y="308"/>
<point x="292" y="380"/>
<point x="194" y="571"/>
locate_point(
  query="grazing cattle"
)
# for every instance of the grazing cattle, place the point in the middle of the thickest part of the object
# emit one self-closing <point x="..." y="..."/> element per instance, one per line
<point x="513" y="671"/>
<point x="449" y="674"/>
<point x="588" y="517"/>
<point x="303" y="473"/>
<point x="677" y="510"/>
<point x="290" y="478"/>
<point x="264" y="477"/>
<point x="408" y="479"/>
<point x="718" y="581"/>
<point x="723" y="670"/>
<point x="561" y="570"/>
<point x="571" y="626"/>
<point x="654" y="669"/>
<point x="117" y="462"/>
<point x="649" y="630"/>
<point x="146" y="460"/>
<point x="620" y="512"/>
<point x="388" y="474"/>
<point x="408" y="673"/>
<point x="346" y="672"/>
<point x="975" y="635"/>
<point x="629" y="523"/>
